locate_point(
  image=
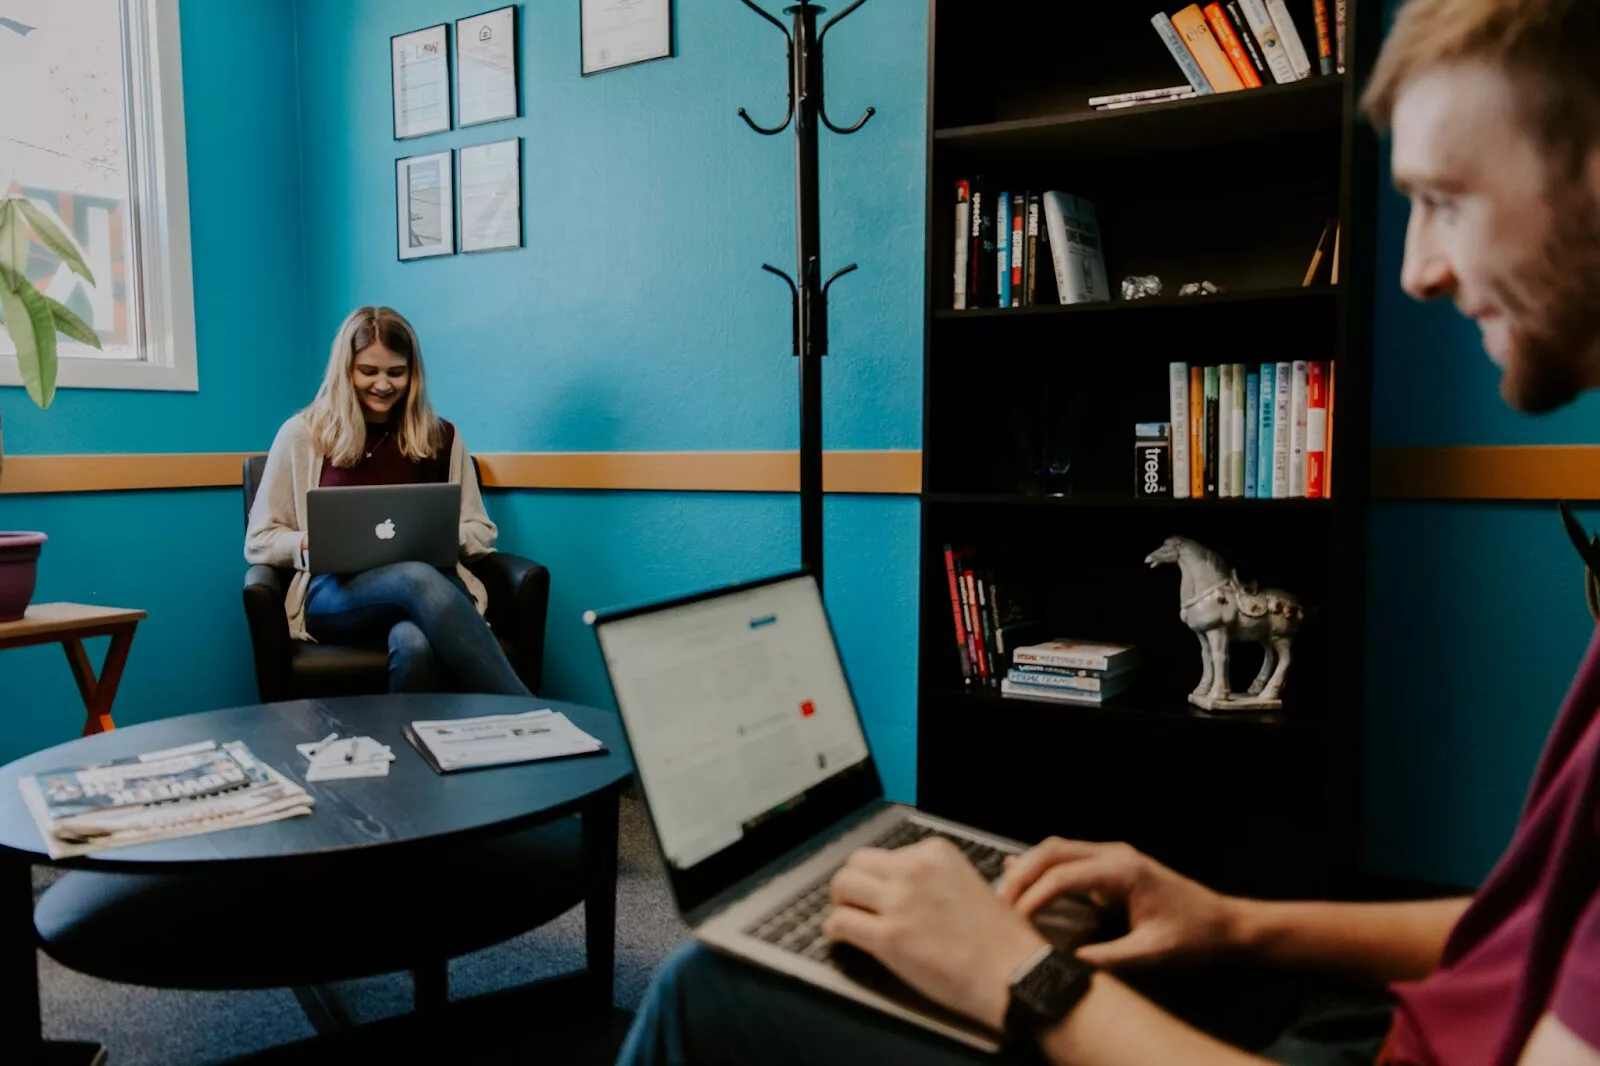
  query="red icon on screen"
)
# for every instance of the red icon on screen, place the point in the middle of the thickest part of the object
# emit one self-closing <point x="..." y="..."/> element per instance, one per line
<point x="807" y="709"/>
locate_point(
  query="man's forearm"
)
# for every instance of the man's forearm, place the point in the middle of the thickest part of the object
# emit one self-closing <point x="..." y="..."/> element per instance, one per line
<point x="1115" y="1026"/>
<point x="1374" y="941"/>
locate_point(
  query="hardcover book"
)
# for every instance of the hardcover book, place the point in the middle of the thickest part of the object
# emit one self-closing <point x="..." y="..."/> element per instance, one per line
<point x="1232" y="47"/>
<point x="963" y="242"/>
<point x="1178" y="412"/>
<point x="1080" y="265"/>
<point x="1181" y="54"/>
<point x="1196" y="32"/>
<point x="1265" y="32"/>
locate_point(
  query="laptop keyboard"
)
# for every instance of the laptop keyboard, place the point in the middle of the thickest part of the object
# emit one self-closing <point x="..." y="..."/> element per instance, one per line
<point x="797" y="925"/>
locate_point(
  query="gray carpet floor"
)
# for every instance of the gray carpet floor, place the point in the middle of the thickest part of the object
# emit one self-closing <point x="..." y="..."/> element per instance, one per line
<point x="141" y="1026"/>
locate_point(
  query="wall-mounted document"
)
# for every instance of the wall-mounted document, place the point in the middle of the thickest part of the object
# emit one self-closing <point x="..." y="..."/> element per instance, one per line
<point x="419" y="67"/>
<point x="486" y="67"/>
<point x="491" y="196"/>
<point x="424" y="190"/>
<point x="619" y="33"/>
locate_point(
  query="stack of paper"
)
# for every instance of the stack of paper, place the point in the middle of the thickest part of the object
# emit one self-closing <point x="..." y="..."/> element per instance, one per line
<point x="334" y="759"/>
<point x="200" y="788"/>
<point x="498" y="739"/>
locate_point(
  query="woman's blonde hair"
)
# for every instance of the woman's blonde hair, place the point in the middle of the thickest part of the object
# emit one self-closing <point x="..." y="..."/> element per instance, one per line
<point x="335" y="418"/>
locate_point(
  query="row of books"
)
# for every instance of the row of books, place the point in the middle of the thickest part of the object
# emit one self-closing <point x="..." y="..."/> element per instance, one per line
<point x="1241" y="44"/>
<point x="1239" y="431"/>
<point x="988" y="624"/>
<point x="1018" y="249"/>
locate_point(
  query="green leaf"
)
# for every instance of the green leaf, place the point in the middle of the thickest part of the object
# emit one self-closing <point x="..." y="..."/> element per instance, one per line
<point x="53" y="238"/>
<point x="69" y="323"/>
<point x="14" y="240"/>
<point x="33" y="330"/>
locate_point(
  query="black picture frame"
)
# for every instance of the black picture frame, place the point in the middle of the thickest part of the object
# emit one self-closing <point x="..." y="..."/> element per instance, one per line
<point x="449" y="203"/>
<point x="516" y="66"/>
<point x="449" y="84"/>
<point x="672" y="43"/>
<point x="522" y="237"/>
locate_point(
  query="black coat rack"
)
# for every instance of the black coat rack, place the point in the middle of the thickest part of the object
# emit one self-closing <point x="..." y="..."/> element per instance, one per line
<point x="809" y="294"/>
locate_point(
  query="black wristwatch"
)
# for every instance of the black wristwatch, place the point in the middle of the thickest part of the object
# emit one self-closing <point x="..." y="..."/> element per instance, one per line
<point x="1043" y="990"/>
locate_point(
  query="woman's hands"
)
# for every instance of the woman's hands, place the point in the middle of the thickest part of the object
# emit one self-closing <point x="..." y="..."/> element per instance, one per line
<point x="1169" y="916"/>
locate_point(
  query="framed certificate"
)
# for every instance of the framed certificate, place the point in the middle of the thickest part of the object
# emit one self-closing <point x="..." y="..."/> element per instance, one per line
<point x="419" y="69"/>
<point x="620" y="33"/>
<point x="486" y="67"/>
<point x="489" y="184"/>
<point x="425" y="206"/>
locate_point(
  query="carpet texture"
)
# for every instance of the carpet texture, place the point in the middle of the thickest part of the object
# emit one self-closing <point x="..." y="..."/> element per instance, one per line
<point x="147" y="1027"/>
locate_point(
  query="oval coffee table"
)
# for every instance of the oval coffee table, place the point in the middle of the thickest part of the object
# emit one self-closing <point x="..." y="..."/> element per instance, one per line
<point x="396" y="872"/>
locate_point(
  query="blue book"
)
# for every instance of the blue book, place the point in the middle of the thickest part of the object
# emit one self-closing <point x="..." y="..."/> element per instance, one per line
<point x="1181" y="54"/>
<point x="1002" y="240"/>
<point x="1266" y="434"/>
<point x="1252" y="427"/>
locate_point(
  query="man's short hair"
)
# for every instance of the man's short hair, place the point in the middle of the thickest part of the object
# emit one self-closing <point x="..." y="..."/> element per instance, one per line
<point x="1549" y="48"/>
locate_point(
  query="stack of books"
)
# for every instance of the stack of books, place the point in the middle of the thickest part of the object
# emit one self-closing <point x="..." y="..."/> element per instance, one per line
<point x="1018" y="249"/>
<point x="1240" y="431"/>
<point x="1071" y="671"/>
<point x="200" y="788"/>
<point x="1241" y="44"/>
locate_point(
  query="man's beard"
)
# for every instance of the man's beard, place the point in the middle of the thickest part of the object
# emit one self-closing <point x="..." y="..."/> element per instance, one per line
<point x="1553" y="300"/>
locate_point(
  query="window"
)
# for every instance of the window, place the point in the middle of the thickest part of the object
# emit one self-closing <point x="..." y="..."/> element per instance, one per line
<point x="91" y="131"/>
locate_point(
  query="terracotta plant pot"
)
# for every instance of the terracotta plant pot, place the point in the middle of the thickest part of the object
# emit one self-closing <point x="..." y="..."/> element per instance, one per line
<point x="19" y="569"/>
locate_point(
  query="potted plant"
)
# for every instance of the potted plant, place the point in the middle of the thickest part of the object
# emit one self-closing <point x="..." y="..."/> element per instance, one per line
<point x="32" y="319"/>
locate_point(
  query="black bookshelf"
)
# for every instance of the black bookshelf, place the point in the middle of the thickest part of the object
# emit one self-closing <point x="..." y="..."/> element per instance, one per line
<point x="1233" y="188"/>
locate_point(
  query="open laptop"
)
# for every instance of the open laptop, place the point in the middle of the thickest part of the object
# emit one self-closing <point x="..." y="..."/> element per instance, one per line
<point x="358" y="527"/>
<point x="760" y="783"/>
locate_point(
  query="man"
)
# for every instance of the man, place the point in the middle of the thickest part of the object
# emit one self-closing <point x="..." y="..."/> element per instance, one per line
<point x="1494" y="110"/>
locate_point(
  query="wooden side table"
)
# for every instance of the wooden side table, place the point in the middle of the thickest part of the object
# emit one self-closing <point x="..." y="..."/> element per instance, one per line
<point x="68" y="624"/>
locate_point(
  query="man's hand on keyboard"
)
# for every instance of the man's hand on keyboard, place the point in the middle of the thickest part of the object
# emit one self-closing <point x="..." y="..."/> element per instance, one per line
<point x="1168" y="914"/>
<point x="927" y="914"/>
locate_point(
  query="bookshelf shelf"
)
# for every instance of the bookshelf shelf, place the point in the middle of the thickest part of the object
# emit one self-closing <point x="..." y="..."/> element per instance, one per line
<point x="1216" y="119"/>
<point x="1233" y="188"/>
<point x="1131" y="503"/>
<point x="1151" y="305"/>
<point x="1135" y="711"/>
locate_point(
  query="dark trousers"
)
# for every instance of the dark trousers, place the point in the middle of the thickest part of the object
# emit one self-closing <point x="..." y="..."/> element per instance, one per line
<point x="704" y="1009"/>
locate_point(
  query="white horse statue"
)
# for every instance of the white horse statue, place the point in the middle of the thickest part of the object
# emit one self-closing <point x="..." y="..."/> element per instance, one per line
<point x="1220" y="609"/>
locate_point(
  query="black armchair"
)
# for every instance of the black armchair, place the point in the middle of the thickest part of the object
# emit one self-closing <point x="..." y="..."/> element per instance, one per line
<point x="287" y="669"/>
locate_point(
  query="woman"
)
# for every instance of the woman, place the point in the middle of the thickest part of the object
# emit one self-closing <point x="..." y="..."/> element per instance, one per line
<point x="371" y="424"/>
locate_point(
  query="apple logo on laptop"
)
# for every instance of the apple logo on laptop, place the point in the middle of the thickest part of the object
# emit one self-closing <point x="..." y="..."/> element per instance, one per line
<point x="385" y="529"/>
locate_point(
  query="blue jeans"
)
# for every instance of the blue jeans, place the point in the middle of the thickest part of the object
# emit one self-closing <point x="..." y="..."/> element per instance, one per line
<point x="437" y="640"/>
<point x="705" y="1009"/>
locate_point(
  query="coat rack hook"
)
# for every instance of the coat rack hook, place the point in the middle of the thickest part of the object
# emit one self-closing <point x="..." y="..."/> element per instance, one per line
<point x="781" y="28"/>
<point x="788" y="115"/>
<point x="835" y="276"/>
<point x="847" y="130"/>
<point x="840" y="17"/>
<point x="764" y="131"/>
<point x="770" y="269"/>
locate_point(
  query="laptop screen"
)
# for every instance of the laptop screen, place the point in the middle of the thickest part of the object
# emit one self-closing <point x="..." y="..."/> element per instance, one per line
<point x="744" y="733"/>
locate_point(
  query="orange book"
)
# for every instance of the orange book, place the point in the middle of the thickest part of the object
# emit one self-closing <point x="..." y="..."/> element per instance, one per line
<point x="1192" y="26"/>
<point x="1316" y="429"/>
<point x="1197" y="432"/>
<point x="1327" y="463"/>
<point x="1222" y="29"/>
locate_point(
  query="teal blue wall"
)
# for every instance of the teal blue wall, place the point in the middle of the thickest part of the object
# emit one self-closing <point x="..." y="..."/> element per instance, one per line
<point x="1477" y="615"/>
<point x="637" y="318"/>
<point x="178" y="554"/>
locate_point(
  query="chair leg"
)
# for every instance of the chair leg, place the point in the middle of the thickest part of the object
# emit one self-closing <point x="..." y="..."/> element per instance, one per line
<point x="430" y="987"/>
<point x="322" y="1009"/>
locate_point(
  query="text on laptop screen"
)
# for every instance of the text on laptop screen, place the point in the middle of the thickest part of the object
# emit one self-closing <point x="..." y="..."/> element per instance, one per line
<point x="735" y="706"/>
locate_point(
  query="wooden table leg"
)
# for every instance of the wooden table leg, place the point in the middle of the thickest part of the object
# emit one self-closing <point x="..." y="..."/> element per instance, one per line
<point x="600" y="815"/>
<point x="99" y="693"/>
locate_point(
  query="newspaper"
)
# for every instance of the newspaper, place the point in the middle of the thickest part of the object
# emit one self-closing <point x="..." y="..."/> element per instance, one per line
<point x="499" y="739"/>
<point x="202" y="788"/>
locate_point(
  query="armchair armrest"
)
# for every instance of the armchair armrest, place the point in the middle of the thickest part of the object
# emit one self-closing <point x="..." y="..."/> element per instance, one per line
<point x="269" y="630"/>
<point x="519" y="598"/>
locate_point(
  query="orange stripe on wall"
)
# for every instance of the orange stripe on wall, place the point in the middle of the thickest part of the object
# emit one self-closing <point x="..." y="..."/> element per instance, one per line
<point x="875" y="472"/>
<point x="1529" y="472"/>
<point x="1538" y="472"/>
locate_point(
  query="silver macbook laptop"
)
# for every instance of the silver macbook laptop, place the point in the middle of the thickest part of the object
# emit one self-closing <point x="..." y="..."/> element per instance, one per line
<point x="358" y="527"/>
<point x="752" y="760"/>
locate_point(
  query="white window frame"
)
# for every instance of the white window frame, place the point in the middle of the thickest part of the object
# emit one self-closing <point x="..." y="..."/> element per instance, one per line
<point x="161" y="296"/>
